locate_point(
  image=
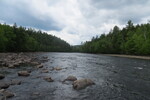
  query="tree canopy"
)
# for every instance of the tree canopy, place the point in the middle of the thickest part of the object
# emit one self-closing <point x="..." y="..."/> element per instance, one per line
<point x="21" y="39"/>
<point x="134" y="40"/>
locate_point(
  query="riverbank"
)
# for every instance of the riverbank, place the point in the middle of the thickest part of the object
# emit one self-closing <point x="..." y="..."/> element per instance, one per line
<point x="129" y="56"/>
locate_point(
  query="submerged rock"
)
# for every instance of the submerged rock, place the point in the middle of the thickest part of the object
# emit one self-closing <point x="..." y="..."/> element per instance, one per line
<point x="2" y="96"/>
<point x="82" y="83"/>
<point x="4" y="85"/>
<point x="23" y="73"/>
<point x="70" y="78"/>
<point x="57" y="68"/>
<point x="35" y="93"/>
<point x="2" y="76"/>
<point x="49" y="79"/>
<point x="6" y="93"/>
<point x="45" y="71"/>
<point x="15" y="82"/>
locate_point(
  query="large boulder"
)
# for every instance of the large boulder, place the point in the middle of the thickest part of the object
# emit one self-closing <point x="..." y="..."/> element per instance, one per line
<point x="82" y="83"/>
<point x="2" y="76"/>
<point x="23" y="73"/>
<point x="49" y="79"/>
<point x="70" y="78"/>
<point x="4" y="85"/>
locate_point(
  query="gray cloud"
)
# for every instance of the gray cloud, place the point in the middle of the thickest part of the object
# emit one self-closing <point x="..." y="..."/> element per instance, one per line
<point x="74" y="20"/>
<point x="116" y="4"/>
<point x="22" y="16"/>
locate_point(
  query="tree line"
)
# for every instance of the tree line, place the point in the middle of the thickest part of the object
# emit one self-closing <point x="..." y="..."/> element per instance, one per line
<point x="132" y="39"/>
<point x="21" y="39"/>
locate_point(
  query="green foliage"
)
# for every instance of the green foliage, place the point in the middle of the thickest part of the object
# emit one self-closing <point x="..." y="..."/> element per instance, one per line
<point x="134" y="40"/>
<point x="20" y="39"/>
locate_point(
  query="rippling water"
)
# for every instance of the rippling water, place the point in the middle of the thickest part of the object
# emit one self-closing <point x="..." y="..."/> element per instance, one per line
<point x="116" y="78"/>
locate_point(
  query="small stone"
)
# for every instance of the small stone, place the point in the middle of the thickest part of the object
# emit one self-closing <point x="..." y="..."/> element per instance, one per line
<point x="49" y="79"/>
<point x="34" y="63"/>
<point x="11" y="66"/>
<point x="45" y="71"/>
<point x="23" y="73"/>
<point x="15" y="82"/>
<point x="40" y="66"/>
<point x="57" y="68"/>
<point x="70" y="78"/>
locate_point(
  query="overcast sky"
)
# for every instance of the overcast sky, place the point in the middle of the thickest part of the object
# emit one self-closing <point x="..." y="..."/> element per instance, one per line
<point x="74" y="20"/>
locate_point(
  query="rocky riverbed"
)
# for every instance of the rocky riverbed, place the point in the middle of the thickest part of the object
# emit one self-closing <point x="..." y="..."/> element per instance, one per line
<point x="72" y="76"/>
<point x="23" y="64"/>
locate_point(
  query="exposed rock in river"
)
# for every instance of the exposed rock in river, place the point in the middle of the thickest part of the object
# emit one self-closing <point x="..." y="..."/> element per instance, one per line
<point x="45" y="71"/>
<point x="6" y="93"/>
<point x="15" y="60"/>
<point x="82" y="83"/>
<point x="70" y="78"/>
<point x="2" y="76"/>
<point x="49" y="79"/>
<point x="39" y="66"/>
<point x="15" y="82"/>
<point x="57" y="68"/>
<point x="4" y="85"/>
<point x="23" y="73"/>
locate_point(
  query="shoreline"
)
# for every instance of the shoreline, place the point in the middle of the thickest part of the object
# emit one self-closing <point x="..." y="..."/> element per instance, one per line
<point x="128" y="56"/>
<point x="113" y="55"/>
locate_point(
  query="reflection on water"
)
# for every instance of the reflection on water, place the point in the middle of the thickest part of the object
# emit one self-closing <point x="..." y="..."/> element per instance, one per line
<point x="116" y="78"/>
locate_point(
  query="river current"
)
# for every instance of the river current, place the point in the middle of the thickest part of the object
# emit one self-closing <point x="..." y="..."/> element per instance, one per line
<point x="115" y="78"/>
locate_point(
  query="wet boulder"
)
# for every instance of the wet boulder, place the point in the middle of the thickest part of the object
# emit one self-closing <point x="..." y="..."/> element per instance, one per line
<point x="82" y="83"/>
<point x="70" y="78"/>
<point x="23" y="73"/>
<point x="2" y="76"/>
<point x="48" y="79"/>
<point x="4" y="85"/>
<point x="6" y="93"/>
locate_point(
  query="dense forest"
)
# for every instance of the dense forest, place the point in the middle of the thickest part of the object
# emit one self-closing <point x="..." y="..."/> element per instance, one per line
<point x="21" y="39"/>
<point x="132" y="39"/>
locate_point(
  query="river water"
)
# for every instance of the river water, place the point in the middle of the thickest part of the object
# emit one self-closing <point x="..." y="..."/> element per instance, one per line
<point x="116" y="78"/>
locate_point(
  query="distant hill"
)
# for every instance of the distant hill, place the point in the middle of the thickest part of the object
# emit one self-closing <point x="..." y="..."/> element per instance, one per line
<point x="21" y="39"/>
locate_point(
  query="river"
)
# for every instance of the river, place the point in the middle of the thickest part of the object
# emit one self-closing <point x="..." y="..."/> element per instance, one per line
<point x="115" y="78"/>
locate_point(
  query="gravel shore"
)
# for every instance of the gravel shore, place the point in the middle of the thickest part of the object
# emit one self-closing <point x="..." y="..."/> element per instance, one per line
<point x="129" y="56"/>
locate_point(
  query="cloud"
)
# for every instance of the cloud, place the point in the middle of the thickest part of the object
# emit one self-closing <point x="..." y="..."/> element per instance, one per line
<point x="75" y="21"/>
